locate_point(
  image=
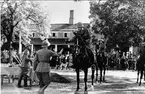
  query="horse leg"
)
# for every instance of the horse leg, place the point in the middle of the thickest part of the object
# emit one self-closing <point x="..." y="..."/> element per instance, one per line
<point x="100" y="75"/>
<point x="93" y="71"/>
<point x="96" y="73"/>
<point x="141" y="75"/>
<point x="60" y="67"/>
<point x="137" y="75"/>
<point x="85" y="78"/>
<point x="144" y="75"/>
<point x="78" y="79"/>
<point x="66" y="66"/>
<point x="104" y="73"/>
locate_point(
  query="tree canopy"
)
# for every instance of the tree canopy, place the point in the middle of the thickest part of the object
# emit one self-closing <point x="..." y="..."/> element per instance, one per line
<point x="120" y="21"/>
<point x="17" y="16"/>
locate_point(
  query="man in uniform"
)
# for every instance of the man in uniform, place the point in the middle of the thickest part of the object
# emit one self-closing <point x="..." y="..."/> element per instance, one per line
<point x="83" y="34"/>
<point x="42" y="65"/>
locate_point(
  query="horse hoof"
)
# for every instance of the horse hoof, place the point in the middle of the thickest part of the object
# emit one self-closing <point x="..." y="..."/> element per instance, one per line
<point x="38" y="92"/>
<point x="85" y="92"/>
<point x="92" y="87"/>
<point x="86" y="89"/>
<point x="100" y="82"/>
<point x="77" y="89"/>
<point x="76" y="92"/>
<point x="104" y="81"/>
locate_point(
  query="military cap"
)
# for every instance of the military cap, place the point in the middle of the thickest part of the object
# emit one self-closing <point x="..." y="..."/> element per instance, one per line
<point x="45" y="43"/>
<point x="79" y="24"/>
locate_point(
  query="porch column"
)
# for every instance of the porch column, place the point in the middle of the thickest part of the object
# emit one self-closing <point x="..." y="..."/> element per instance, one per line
<point x="20" y="44"/>
<point x="55" y="48"/>
<point x="32" y="49"/>
<point x="68" y="46"/>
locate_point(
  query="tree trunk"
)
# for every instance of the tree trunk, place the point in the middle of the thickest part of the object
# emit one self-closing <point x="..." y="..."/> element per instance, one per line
<point x="10" y="52"/>
<point x="10" y="42"/>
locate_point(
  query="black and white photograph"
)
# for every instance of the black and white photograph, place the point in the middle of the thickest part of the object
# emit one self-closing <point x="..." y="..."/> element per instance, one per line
<point x="72" y="46"/>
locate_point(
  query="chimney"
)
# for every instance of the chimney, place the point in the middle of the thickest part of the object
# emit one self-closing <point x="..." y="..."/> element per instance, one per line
<point x="71" y="19"/>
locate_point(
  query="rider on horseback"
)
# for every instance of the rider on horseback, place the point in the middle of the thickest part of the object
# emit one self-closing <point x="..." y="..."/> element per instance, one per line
<point x="83" y="33"/>
<point x="84" y="39"/>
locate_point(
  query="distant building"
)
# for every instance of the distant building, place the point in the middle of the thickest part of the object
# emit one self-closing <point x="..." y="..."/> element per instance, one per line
<point x="60" y="33"/>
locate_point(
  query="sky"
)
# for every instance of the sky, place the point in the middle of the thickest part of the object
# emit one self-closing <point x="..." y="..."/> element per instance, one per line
<point x="59" y="11"/>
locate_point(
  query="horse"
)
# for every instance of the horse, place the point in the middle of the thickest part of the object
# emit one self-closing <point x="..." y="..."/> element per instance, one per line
<point x="83" y="58"/>
<point x="102" y="59"/>
<point x="94" y="67"/>
<point x="140" y="65"/>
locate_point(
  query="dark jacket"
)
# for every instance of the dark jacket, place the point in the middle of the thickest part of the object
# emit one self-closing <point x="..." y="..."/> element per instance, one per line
<point x="82" y="35"/>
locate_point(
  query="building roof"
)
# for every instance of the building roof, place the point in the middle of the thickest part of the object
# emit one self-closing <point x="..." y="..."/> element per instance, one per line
<point x="57" y="27"/>
<point x="53" y="41"/>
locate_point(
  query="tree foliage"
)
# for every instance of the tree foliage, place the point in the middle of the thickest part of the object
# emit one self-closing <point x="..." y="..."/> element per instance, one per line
<point x="17" y="16"/>
<point x="120" y="21"/>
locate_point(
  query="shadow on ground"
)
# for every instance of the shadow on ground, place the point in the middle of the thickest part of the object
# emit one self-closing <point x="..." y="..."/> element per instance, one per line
<point x="66" y="84"/>
<point x="112" y="83"/>
<point x="55" y="77"/>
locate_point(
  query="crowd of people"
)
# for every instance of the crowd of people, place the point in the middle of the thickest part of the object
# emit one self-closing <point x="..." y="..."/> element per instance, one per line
<point x="122" y="61"/>
<point x="64" y="61"/>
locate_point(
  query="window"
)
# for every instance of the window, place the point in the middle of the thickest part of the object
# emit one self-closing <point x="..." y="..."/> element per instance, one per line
<point x="65" y="35"/>
<point x="53" y="35"/>
<point x="33" y="35"/>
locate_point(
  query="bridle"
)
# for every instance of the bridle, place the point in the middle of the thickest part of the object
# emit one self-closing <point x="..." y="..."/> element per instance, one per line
<point x="77" y="50"/>
<point x="79" y="47"/>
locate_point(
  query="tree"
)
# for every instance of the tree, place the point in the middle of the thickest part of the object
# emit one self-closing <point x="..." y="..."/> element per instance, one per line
<point x="17" y="17"/>
<point x="120" y="21"/>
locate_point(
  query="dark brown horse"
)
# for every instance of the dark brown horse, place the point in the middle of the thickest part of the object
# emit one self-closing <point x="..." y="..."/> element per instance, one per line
<point x="100" y="64"/>
<point x="140" y="69"/>
<point x="141" y="65"/>
<point x="83" y="58"/>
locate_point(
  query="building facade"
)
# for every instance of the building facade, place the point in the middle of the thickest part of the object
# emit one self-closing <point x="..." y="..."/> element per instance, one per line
<point x="60" y="33"/>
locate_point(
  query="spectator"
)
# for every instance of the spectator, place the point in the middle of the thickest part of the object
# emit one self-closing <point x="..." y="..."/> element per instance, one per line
<point x="25" y="65"/>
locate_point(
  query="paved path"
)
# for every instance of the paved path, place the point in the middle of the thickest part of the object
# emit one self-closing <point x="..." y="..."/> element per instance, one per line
<point x="117" y="82"/>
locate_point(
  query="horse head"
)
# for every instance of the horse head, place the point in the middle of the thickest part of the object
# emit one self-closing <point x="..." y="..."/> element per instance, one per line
<point x="76" y="49"/>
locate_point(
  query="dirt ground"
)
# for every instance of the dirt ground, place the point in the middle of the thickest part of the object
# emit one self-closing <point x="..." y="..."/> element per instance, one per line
<point x="64" y="82"/>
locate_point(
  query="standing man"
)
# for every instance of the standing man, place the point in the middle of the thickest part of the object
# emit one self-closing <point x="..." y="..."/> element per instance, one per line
<point x="25" y="65"/>
<point x="42" y="66"/>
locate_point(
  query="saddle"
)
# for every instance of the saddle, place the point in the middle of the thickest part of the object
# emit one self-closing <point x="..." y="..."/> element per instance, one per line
<point x="83" y="59"/>
<point x="89" y="53"/>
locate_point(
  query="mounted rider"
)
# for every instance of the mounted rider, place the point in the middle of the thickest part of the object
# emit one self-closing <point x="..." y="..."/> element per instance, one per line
<point x="84" y="39"/>
<point x="83" y="33"/>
